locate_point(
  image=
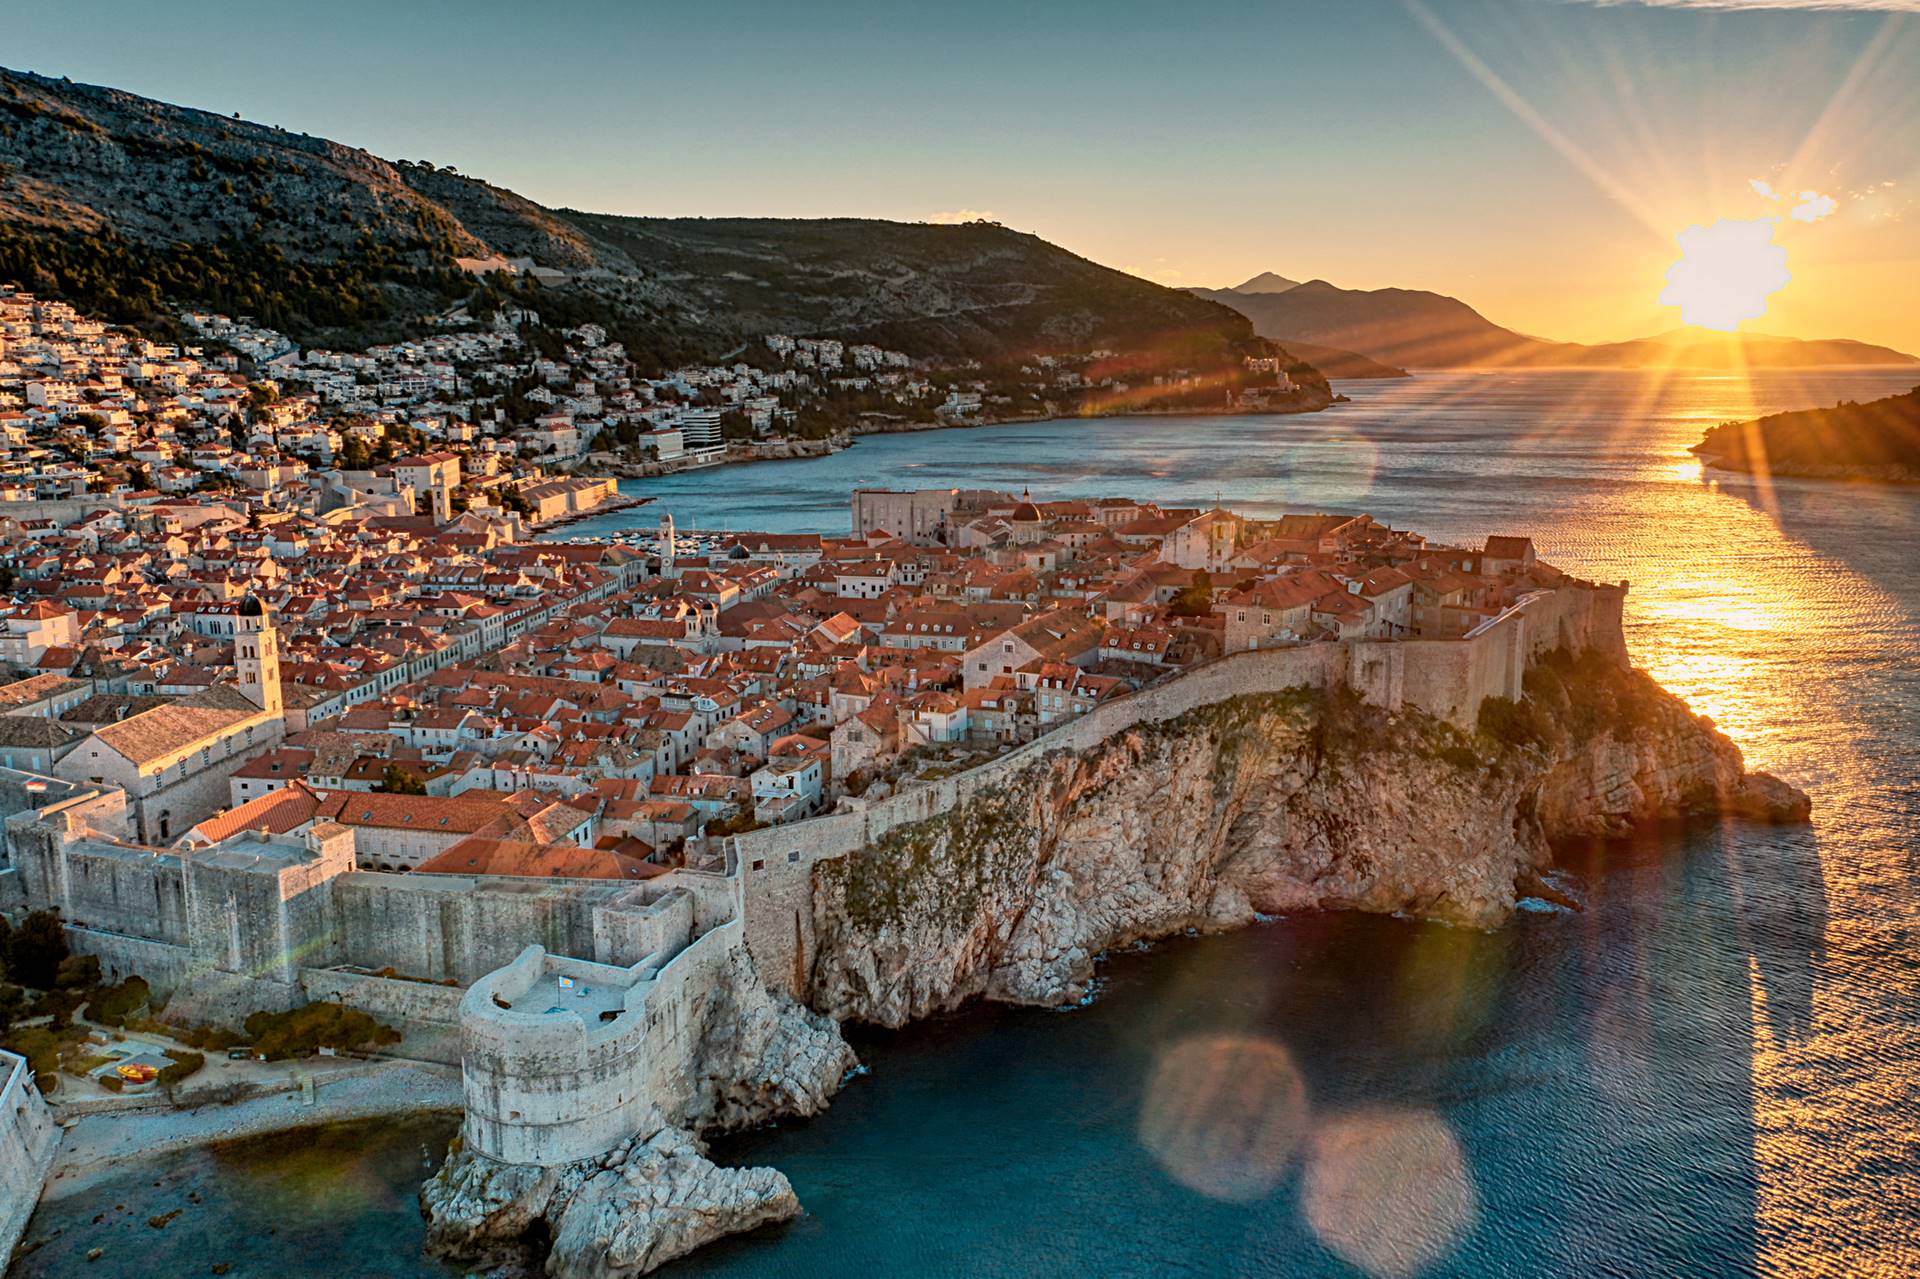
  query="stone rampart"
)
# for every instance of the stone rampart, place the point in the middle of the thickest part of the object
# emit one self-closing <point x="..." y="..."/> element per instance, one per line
<point x="389" y="999"/>
<point x="460" y="927"/>
<point x="1444" y="678"/>
<point x="28" y="1138"/>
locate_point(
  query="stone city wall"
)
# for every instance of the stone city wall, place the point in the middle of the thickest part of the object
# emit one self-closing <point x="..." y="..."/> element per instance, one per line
<point x="426" y="1015"/>
<point x="164" y="965"/>
<point x="460" y="927"/>
<point x="676" y="1000"/>
<point x="1444" y="678"/>
<point x="441" y="926"/>
<point x="28" y="1138"/>
<point x="388" y="999"/>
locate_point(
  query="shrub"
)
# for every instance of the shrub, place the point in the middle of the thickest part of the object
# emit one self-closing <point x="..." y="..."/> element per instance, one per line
<point x="57" y="1004"/>
<point x="112" y="1005"/>
<point x="185" y="1065"/>
<point x="13" y="1002"/>
<point x="77" y="972"/>
<point x="302" y="1031"/>
<point x="216" y="1038"/>
<point x="1522" y="724"/>
<point x="40" y="1046"/>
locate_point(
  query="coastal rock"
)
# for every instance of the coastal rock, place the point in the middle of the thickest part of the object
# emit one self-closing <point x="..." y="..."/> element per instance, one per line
<point x="764" y="1056"/>
<point x="1264" y="804"/>
<point x="640" y="1205"/>
<point x="664" y="1200"/>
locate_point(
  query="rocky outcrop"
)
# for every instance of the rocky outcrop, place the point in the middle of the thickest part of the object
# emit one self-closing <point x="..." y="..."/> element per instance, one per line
<point x="758" y="1056"/>
<point x="1261" y="804"/>
<point x="762" y="1056"/>
<point x="643" y="1203"/>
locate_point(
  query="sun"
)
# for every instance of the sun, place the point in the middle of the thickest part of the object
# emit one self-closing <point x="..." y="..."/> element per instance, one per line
<point x="1726" y="272"/>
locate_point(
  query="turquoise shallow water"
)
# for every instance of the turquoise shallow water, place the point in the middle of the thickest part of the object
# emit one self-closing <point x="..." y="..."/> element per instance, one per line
<point x="1711" y="1071"/>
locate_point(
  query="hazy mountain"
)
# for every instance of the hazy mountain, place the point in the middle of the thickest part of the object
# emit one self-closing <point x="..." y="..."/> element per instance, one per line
<point x="1405" y="327"/>
<point x="1418" y="329"/>
<point x="1266" y="282"/>
<point x="1334" y="362"/>
<point x="1706" y="349"/>
<point x="133" y="207"/>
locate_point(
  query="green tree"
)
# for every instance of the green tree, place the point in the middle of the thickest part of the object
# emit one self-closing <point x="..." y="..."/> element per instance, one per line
<point x="77" y="972"/>
<point x="396" y="780"/>
<point x="1196" y="600"/>
<point x="300" y="1032"/>
<point x="35" y="949"/>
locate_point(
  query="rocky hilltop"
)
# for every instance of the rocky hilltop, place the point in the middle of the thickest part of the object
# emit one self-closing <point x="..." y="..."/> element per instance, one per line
<point x="1878" y="440"/>
<point x="128" y="208"/>
<point x="1262" y="804"/>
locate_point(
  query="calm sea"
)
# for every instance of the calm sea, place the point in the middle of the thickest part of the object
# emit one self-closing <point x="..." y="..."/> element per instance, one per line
<point x="1712" y="1070"/>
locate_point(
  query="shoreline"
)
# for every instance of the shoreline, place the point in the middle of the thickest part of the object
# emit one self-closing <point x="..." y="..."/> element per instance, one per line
<point x="789" y="450"/>
<point x="1844" y="472"/>
<point x="94" y="1147"/>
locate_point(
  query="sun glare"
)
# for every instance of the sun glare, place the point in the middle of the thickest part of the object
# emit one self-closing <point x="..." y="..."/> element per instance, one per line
<point x="1726" y="272"/>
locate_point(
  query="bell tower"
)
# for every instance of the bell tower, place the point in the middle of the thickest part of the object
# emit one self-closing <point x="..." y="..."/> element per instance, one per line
<point x="256" y="655"/>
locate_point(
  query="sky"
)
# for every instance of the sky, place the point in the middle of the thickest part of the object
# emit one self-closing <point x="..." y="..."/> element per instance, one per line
<point x="1537" y="158"/>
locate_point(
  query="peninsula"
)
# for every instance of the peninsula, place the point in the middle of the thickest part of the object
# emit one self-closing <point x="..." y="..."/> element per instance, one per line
<point x="1878" y="440"/>
<point x="626" y="830"/>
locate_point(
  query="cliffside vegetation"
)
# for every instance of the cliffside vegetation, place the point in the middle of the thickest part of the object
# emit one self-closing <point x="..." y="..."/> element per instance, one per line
<point x="1571" y="697"/>
<point x="940" y="868"/>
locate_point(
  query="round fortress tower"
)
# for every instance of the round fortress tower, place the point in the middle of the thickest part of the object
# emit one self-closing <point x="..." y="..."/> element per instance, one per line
<point x="553" y="1059"/>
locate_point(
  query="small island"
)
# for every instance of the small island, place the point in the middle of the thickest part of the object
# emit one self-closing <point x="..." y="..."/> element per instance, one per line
<point x="1878" y="440"/>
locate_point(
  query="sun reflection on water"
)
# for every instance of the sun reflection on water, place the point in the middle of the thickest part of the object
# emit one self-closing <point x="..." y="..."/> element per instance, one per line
<point x="1763" y="632"/>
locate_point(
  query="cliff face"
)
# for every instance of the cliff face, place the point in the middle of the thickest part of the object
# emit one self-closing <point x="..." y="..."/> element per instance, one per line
<point x="1263" y="804"/>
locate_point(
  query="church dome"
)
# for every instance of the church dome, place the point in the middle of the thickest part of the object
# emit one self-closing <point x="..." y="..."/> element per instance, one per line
<point x="1026" y="513"/>
<point x="250" y="606"/>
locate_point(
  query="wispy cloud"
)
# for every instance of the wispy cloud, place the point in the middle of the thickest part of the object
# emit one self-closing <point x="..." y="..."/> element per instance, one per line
<point x="957" y="216"/>
<point x="1817" y="6"/>
<point x="1808" y="206"/>
<point x="1813" y="206"/>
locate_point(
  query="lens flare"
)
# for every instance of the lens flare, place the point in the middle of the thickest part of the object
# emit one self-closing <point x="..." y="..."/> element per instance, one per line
<point x="1388" y="1190"/>
<point x="1726" y="272"/>
<point x="1224" y="1114"/>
